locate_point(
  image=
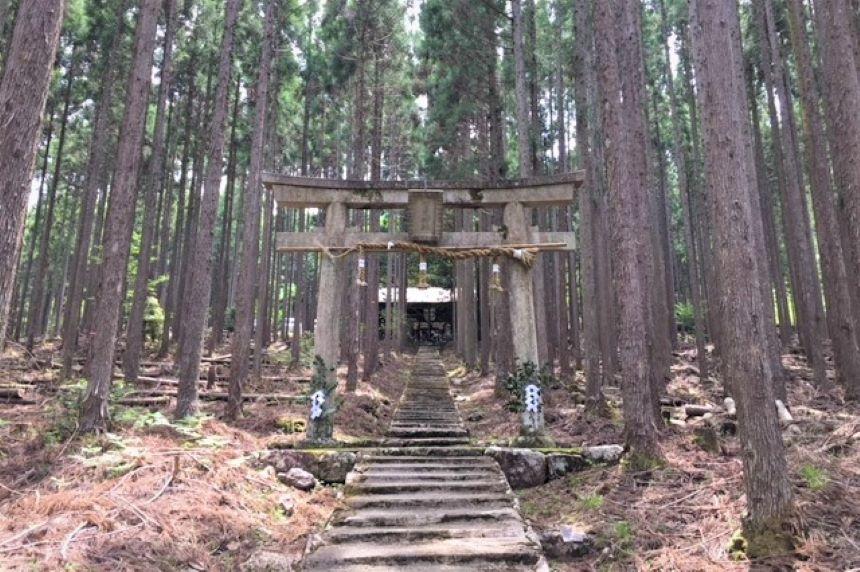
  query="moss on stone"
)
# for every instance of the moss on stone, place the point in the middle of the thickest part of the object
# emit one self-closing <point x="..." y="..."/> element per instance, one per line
<point x="640" y="462"/>
<point x="768" y="539"/>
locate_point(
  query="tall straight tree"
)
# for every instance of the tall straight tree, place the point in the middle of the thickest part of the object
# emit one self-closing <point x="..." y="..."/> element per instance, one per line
<point x="199" y="286"/>
<point x="23" y="93"/>
<point x="679" y="153"/>
<point x="153" y="181"/>
<point x="95" y="179"/>
<point x="524" y="140"/>
<point x="840" y="317"/>
<point x="794" y="205"/>
<point x="38" y="298"/>
<point x="626" y="153"/>
<point x="37" y="218"/>
<point x="590" y="202"/>
<point x="731" y="179"/>
<point x="251" y="225"/>
<point x="841" y="91"/>
<point x="118" y="224"/>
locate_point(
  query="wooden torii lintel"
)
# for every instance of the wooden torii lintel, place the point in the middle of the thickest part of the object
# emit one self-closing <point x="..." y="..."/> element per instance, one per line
<point x="299" y="192"/>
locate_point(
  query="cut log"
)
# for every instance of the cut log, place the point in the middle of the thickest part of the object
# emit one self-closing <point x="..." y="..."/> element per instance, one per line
<point x="11" y="393"/>
<point x="698" y="410"/>
<point x="144" y="401"/>
<point x="161" y="381"/>
<point x="222" y="395"/>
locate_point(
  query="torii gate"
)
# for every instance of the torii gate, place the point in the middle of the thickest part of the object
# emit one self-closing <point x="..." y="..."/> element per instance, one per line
<point x="425" y="202"/>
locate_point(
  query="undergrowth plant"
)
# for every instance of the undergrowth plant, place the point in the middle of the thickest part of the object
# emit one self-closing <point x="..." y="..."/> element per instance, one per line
<point x="524" y="374"/>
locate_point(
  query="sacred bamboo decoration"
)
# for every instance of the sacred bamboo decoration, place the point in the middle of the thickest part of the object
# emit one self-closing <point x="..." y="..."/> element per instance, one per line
<point x="362" y="270"/>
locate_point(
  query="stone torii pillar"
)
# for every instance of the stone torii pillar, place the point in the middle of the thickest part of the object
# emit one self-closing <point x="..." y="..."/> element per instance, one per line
<point x="327" y="331"/>
<point x="523" y="322"/>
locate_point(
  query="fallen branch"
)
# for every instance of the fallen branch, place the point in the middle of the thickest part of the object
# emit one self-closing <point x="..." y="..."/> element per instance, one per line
<point x="220" y="395"/>
<point x="25" y="533"/>
<point x="167" y="482"/>
<point x="70" y="538"/>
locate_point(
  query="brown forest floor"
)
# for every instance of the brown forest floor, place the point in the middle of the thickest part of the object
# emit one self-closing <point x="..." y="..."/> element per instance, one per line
<point x="156" y="495"/>
<point x="160" y="495"/>
<point x="683" y="516"/>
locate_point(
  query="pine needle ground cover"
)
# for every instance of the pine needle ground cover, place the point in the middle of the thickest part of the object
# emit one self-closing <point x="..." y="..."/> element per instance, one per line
<point x="155" y="493"/>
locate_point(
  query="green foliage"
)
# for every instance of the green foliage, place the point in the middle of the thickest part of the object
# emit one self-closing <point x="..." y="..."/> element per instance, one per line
<point x="527" y="373"/>
<point x="816" y="478"/>
<point x="153" y="318"/>
<point x="685" y="317"/>
<point x="591" y="502"/>
<point x="738" y="546"/>
<point x="230" y="319"/>
<point x="624" y="532"/>
<point x="306" y="353"/>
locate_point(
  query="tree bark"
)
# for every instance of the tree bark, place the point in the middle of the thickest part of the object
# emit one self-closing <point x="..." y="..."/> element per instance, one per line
<point x="95" y="179"/>
<point x="522" y="95"/>
<point x="247" y="262"/>
<point x="795" y="208"/>
<point x="590" y="215"/>
<point x="153" y="182"/>
<point x="118" y="227"/>
<point x="23" y="93"/>
<point x="38" y="298"/>
<point x="222" y="270"/>
<point x="626" y="155"/>
<point x="200" y="283"/>
<point x="840" y="316"/>
<point x="680" y="155"/>
<point x="841" y="91"/>
<point x="731" y="182"/>
<point x="37" y="224"/>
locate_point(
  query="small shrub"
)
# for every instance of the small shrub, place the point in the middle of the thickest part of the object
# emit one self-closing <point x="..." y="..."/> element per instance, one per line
<point x="527" y="373"/>
<point x="738" y="546"/>
<point x="591" y="502"/>
<point x="816" y="479"/>
<point x="685" y="317"/>
<point x="624" y="532"/>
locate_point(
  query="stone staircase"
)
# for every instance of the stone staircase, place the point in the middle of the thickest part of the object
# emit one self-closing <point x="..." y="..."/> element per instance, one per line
<point x="426" y="501"/>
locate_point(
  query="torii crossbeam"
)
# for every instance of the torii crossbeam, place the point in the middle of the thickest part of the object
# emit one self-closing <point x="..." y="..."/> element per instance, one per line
<point x="425" y="203"/>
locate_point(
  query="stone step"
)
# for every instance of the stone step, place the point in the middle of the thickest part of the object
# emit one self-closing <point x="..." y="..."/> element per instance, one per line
<point x="424" y="441"/>
<point x="430" y="407"/>
<point x="428" y="474"/>
<point x="474" y="567"/>
<point x="433" y="421"/>
<point x="454" y="551"/>
<point x="452" y="417"/>
<point x="426" y="516"/>
<point x="436" y="413"/>
<point x="428" y="432"/>
<point x="422" y="454"/>
<point x="448" y="464"/>
<point x="402" y="487"/>
<point x="426" y="501"/>
<point x="431" y="499"/>
<point x="455" y="529"/>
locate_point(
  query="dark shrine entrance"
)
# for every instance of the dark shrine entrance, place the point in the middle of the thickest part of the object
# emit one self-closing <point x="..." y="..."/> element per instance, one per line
<point x="429" y="314"/>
